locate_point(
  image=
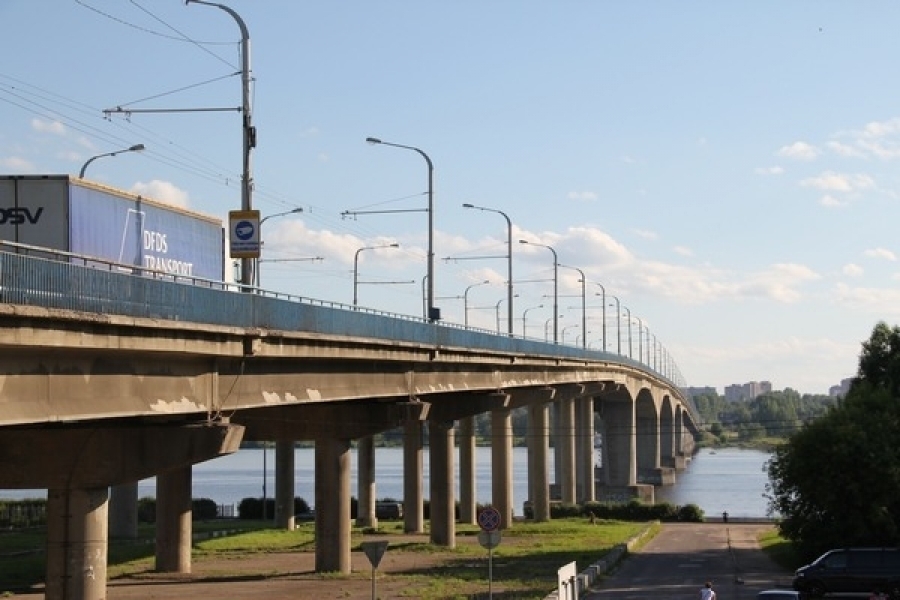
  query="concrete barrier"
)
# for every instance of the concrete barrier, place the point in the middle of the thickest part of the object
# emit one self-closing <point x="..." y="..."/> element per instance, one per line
<point x="586" y="578"/>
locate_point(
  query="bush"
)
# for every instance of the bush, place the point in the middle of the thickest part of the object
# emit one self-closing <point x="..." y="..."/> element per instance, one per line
<point x="251" y="508"/>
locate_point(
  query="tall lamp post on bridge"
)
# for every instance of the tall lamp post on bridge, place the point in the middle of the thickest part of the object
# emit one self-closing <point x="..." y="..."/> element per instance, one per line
<point x="583" y="308"/>
<point x="466" y="300"/>
<point x="263" y="220"/>
<point x="356" y="265"/>
<point x="603" y="304"/>
<point x="555" y="288"/>
<point x="618" y="325"/>
<point x="509" y="270"/>
<point x="249" y="131"/>
<point x="525" y="316"/>
<point x="432" y="313"/>
<point x="628" y="312"/>
<point x="135" y="148"/>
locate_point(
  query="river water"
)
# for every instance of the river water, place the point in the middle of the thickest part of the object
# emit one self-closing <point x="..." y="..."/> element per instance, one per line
<point x="720" y="480"/>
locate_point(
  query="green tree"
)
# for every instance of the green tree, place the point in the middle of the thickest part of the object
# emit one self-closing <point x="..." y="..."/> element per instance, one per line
<point x="837" y="480"/>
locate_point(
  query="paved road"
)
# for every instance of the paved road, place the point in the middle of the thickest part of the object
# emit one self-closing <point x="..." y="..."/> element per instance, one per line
<point x="682" y="557"/>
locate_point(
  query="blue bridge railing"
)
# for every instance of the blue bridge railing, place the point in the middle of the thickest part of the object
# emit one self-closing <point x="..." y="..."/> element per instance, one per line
<point x="54" y="279"/>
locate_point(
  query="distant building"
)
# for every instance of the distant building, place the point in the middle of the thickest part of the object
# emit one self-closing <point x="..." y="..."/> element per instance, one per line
<point x="840" y="390"/>
<point x="747" y="391"/>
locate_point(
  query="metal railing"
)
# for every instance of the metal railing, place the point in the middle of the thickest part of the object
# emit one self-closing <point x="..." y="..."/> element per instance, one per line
<point x="54" y="279"/>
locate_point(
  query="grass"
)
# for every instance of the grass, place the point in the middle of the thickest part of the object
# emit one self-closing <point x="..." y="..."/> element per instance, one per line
<point x="525" y="562"/>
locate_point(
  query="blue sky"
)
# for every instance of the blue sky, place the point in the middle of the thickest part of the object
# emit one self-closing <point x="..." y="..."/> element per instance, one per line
<point x="728" y="171"/>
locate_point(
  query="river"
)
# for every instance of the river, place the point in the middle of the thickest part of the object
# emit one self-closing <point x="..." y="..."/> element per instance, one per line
<point x="727" y="479"/>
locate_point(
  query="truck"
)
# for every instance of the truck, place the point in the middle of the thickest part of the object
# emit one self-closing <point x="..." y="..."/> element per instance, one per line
<point x="73" y="215"/>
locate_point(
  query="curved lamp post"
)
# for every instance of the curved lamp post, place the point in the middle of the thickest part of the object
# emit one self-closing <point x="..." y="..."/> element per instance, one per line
<point x="603" y="302"/>
<point x="263" y="220"/>
<point x="628" y="312"/>
<point x="618" y="325"/>
<point x="525" y="316"/>
<point x="509" y="273"/>
<point x="432" y="313"/>
<point x="135" y="148"/>
<point x="356" y="264"/>
<point x="249" y="131"/>
<point x="466" y="300"/>
<point x="583" y="308"/>
<point x="555" y="288"/>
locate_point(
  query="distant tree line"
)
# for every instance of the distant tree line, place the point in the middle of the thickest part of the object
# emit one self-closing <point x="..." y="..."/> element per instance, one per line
<point x="776" y="414"/>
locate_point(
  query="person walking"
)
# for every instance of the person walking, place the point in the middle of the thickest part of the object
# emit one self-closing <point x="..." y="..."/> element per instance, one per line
<point x="707" y="593"/>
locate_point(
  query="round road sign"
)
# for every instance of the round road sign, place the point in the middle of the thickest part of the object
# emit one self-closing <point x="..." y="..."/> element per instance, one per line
<point x="489" y="518"/>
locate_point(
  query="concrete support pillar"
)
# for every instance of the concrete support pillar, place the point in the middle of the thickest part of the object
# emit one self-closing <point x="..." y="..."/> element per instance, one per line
<point x="555" y="442"/>
<point x="365" y="482"/>
<point x="538" y="466"/>
<point x="501" y="465"/>
<point x="584" y="458"/>
<point x="467" y="493"/>
<point x="284" y="484"/>
<point x="441" y="473"/>
<point x="566" y="448"/>
<point x="123" y="511"/>
<point x="332" y="505"/>
<point x="413" y="512"/>
<point x="77" y="525"/>
<point x="173" y="521"/>
<point x="621" y="467"/>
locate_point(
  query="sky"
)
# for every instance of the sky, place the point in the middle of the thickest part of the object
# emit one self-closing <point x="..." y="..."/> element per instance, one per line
<point x="727" y="171"/>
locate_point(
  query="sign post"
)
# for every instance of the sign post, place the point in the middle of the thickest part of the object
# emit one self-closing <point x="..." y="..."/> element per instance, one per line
<point x="489" y="520"/>
<point x="374" y="552"/>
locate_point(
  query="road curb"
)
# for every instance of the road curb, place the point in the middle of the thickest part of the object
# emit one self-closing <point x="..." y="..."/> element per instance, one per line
<point x="586" y="578"/>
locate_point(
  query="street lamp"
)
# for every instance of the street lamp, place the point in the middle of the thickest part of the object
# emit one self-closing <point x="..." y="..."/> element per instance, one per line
<point x="433" y="313"/>
<point x="618" y="326"/>
<point x="603" y="299"/>
<point x="497" y="311"/>
<point x="583" y="309"/>
<point x="509" y="272"/>
<point x="555" y="288"/>
<point x="524" y="316"/>
<point x="263" y="220"/>
<point x="135" y="148"/>
<point x="640" y="339"/>
<point x="249" y="131"/>
<point x="466" y="300"/>
<point x="565" y="329"/>
<point x="628" y="312"/>
<point x="356" y="264"/>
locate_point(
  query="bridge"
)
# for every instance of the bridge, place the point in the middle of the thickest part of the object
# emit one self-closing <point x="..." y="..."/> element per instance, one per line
<point x="111" y="375"/>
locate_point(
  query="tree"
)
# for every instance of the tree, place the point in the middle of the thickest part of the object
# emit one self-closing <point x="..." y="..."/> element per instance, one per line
<point x="837" y="480"/>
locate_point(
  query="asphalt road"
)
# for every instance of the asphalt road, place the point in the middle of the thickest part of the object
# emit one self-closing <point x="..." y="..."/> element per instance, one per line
<point x="676" y="563"/>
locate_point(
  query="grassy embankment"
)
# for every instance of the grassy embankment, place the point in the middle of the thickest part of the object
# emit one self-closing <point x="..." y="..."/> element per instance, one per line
<point x="527" y="558"/>
<point x="538" y="550"/>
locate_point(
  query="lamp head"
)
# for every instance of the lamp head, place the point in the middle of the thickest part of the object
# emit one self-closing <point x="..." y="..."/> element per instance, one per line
<point x="467" y="205"/>
<point x="136" y="148"/>
<point x="373" y="140"/>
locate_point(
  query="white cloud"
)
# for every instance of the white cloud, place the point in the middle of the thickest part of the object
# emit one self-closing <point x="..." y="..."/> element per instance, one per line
<point x="877" y="129"/>
<point x="52" y="127"/>
<point x="839" y="182"/>
<point x="683" y="251"/>
<point x="881" y="253"/>
<point x="769" y="170"/>
<point x="18" y="164"/>
<point x="852" y="270"/>
<point x="799" y="151"/>
<point x="845" y="150"/>
<point x="831" y="202"/>
<point x="162" y="191"/>
<point x="645" y="233"/>
<point x="582" y="196"/>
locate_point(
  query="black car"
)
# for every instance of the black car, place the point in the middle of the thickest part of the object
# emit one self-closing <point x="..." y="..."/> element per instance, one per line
<point x="851" y="570"/>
